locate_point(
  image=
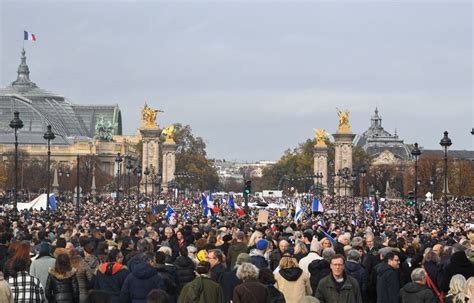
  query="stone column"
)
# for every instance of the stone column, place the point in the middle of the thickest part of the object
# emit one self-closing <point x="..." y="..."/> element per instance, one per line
<point x="169" y="164"/>
<point x="151" y="150"/>
<point x="342" y="159"/>
<point x="93" y="187"/>
<point x="321" y="165"/>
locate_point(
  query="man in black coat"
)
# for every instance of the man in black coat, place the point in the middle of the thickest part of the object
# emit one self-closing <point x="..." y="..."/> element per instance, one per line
<point x="356" y="270"/>
<point x="215" y="257"/>
<point x="388" y="282"/>
<point x="417" y="291"/>
<point x="276" y="254"/>
<point x="257" y="257"/>
<point x="459" y="264"/>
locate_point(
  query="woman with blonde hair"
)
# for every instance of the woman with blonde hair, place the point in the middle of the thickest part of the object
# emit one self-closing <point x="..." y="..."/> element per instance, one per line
<point x="300" y="250"/>
<point x="252" y="244"/>
<point x="325" y="243"/>
<point x="291" y="280"/>
<point x="456" y="290"/>
<point x="469" y="290"/>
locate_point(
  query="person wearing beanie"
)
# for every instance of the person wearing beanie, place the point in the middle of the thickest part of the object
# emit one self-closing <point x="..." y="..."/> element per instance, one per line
<point x="314" y="251"/>
<point x="257" y="255"/>
<point x="39" y="267"/>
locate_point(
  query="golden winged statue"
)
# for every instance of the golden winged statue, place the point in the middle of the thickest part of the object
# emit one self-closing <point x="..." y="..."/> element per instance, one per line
<point x="168" y="132"/>
<point x="343" y="120"/>
<point x="321" y="136"/>
<point x="149" y="117"/>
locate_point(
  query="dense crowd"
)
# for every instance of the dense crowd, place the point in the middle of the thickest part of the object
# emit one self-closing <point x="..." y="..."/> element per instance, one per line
<point x="124" y="251"/>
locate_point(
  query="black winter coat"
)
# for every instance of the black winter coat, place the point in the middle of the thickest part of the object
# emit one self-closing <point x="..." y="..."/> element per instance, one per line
<point x="62" y="288"/>
<point x="388" y="284"/>
<point x="110" y="278"/>
<point x="459" y="264"/>
<point x="168" y="274"/>
<point x="258" y="260"/>
<point x="228" y="282"/>
<point x="318" y="269"/>
<point x="217" y="271"/>
<point x="416" y="293"/>
<point x="140" y="282"/>
<point x="358" y="272"/>
<point x="184" y="271"/>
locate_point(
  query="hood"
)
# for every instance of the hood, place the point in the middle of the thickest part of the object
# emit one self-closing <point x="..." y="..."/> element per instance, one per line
<point x="110" y="268"/>
<point x="182" y="261"/>
<point x="291" y="274"/>
<point x="61" y="276"/>
<point x="144" y="271"/>
<point x="383" y="267"/>
<point x="413" y="287"/>
<point x="460" y="259"/>
<point x="319" y="264"/>
<point x="352" y="266"/>
<point x="256" y="252"/>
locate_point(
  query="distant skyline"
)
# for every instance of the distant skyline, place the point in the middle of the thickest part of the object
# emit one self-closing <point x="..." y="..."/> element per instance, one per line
<point x="254" y="78"/>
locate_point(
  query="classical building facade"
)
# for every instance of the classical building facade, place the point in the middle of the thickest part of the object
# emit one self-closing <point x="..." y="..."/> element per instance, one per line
<point x="384" y="147"/>
<point x="79" y="129"/>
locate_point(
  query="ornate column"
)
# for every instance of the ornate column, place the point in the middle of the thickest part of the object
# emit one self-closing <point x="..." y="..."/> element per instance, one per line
<point x="343" y="151"/>
<point x="321" y="159"/>
<point x="151" y="142"/>
<point x="55" y="183"/>
<point x="169" y="157"/>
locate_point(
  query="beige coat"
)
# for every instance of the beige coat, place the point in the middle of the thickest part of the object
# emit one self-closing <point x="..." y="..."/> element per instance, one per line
<point x="293" y="290"/>
<point x="5" y="290"/>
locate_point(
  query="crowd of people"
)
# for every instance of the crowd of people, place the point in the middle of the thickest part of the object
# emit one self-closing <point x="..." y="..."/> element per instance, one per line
<point x="118" y="251"/>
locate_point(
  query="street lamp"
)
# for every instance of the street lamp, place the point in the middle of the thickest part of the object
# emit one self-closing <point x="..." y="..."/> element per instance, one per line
<point x="363" y="173"/>
<point x="354" y="178"/>
<point x="416" y="152"/>
<point x="67" y="174"/>
<point x="129" y="168"/>
<point x="146" y="173"/>
<point x="445" y="143"/>
<point x="48" y="136"/>
<point x="158" y="184"/>
<point x="432" y="189"/>
<point x="77" y="188"/>
<point x="16" y="124"/>
<point x="138" y="173"/>
<point x="118" y="161"/>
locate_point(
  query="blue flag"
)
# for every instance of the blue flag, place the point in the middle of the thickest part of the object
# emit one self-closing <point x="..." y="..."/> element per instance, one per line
<point x="169" y="213"/>
<point x="333" y="241"/>
<point x="317" y="206"/>
<point x="231" y="202"/>
<point x="52" y="202"/>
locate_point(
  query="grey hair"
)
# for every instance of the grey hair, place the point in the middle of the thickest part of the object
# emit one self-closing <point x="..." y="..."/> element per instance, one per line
<point x="247" y="271"/>
<point x="418" y="274"/>
<point x="328" y="253"/>
<point x="458" y="247"/>
<point x="357" y="242"/>
<point x="353" y="255"/>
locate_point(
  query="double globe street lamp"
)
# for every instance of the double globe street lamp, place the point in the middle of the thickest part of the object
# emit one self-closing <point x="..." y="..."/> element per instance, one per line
<point x="445" y="143"/>
<point x="416" y="152"/>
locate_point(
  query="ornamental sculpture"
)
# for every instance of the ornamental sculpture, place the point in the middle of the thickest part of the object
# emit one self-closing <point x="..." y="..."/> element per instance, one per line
<point x="104" y="130"/>
<point x="169" y="134"/>
<point x="343" y="120"/>
<point x="321" y="136"/>
<point x="149" y="117"/>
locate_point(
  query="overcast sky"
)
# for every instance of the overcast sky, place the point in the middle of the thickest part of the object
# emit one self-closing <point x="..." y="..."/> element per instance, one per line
<point x="254" y="78"/>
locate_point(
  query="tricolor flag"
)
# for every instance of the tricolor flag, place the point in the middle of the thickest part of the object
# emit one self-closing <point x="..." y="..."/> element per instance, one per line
<point x="204" y="203"/>
<point x="317" y="206"/>
<point x="29" y="36"/>
<point x="328" y="236"/>
<point x="235" y="207"/>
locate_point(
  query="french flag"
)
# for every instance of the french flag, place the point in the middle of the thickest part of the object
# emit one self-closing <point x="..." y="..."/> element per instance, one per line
<point x="317" y="206"/>
<point x="29" y="36"/>
<point x="235" y="207"/>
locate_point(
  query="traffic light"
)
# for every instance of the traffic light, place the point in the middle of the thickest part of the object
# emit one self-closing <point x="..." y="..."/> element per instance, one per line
<point x="411" y="198"/>
<point x="248" y="187"/>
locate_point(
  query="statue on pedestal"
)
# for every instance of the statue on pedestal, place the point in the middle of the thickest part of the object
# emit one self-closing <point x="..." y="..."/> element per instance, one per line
<point x="149" y="117"/>
<point x="343" y="120"/>
<point x="321" y="136"/>
<point x="169" y="134"/>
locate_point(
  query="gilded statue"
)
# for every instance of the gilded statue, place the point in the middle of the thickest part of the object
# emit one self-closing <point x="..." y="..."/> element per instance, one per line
<point x="343" y="120"/>
<point x="321" y="136"/>
<point x="169" y="134"/>
<point x="149" y="117"/>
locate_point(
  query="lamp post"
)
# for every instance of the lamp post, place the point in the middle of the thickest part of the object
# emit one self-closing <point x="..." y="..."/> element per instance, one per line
<point x="445" y="143"/>
<point x="48" y="136"/>
<point x="146" y="173"/>
<point x="354" y="178"/>
<point x="129" y="170"/>
<point x="432" y="189"/>
<point x="363" y="173"/>
<point x="67" y="174"/>
<point x="77" y="188"/>
<point x="339" y="175"/>
<point x="158" y="184"/>
<point x="16" y="124"/>
<point x="118" y="161"/>
<point x="416" y="152"/>
<point x="138" y="173"/>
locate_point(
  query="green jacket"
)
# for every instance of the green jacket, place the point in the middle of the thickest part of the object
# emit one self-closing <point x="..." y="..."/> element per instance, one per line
<point x="201" y="290"/>
<point x="348" y="293"/>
